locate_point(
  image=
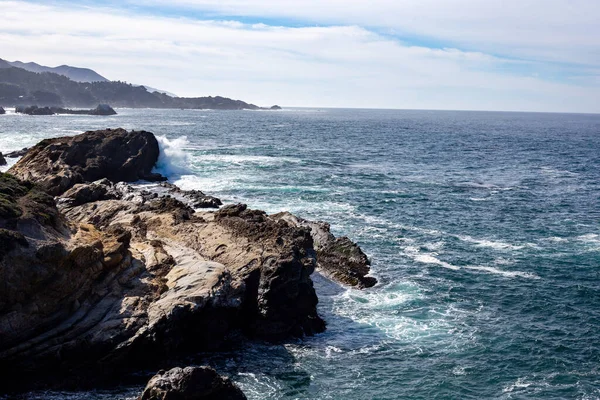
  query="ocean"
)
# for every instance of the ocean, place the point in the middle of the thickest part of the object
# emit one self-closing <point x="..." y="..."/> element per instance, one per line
<point x="483" y="229"/>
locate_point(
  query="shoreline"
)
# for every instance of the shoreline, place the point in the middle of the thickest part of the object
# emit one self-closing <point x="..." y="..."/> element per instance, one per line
<point x="175" y="267"/>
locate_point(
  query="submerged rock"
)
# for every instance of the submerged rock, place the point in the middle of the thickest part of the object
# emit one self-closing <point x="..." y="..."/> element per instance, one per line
<point x="191" y="383"/>
<point x="115" y="154"/>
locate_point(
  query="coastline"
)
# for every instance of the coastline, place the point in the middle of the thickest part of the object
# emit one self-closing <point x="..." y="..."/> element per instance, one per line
<point x="243" y="263"/>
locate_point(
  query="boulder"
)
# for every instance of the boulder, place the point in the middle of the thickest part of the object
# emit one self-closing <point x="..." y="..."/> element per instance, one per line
<point x="2" y="159"/>
<point x="116" y="154"/>
<point x="191" y="383"/>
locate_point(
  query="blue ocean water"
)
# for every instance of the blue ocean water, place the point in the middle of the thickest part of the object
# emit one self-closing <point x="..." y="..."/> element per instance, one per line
<point x="483" y="229"/>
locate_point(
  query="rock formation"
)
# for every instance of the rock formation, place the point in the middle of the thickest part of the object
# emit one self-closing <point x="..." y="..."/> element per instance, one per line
<point x="107" y="277"/>
<point x="191" y="383"/>
<point x="339" y="258"/>
<point x="34" y="110"/>
<point x="58" y="164"/>
<point x="2" y="159"/>
<point x="2" y="111"/>
<point x="102" y="109"/>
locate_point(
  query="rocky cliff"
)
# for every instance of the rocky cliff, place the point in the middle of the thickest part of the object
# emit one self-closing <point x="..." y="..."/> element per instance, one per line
<point x="107" y="277"/>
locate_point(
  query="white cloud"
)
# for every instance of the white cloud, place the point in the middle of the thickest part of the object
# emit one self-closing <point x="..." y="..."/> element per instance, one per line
<point x="557" y="30"/>
<point x="343" y="66"/>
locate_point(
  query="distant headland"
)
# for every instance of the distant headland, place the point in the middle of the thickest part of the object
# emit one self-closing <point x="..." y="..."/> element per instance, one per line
<point x="23" y="84"/>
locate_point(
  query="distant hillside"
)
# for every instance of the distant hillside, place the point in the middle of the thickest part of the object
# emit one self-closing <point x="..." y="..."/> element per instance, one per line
<point x="74" y="73"/>
<point x="21" y="87"/>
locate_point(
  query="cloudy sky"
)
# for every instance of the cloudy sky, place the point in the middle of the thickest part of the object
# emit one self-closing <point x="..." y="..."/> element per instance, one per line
<point x="526" y="55"/>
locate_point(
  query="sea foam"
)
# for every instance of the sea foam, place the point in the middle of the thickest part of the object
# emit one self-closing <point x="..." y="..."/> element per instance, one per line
<point x="173" y="160"/>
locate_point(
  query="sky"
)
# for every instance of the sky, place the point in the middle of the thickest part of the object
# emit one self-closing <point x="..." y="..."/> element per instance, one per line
<point x="506" y="55"/>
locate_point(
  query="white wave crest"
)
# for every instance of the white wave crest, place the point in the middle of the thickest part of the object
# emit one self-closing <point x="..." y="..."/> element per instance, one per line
<point x="432" y="259"/>
<point x="496" y="245"/>
<point x="173" y="159"/>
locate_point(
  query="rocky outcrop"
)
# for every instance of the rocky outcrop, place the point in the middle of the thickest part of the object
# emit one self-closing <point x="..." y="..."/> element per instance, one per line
<point x="2" y="111"/>
<point x="2" y="160"/>
<point x="102" y="109"/>
<point x="275" y="107"/>
<point x="191" y="383"/>
<point x="107" y="277"/>
<point x="115" y="154"/>
<point x="136" y="279"/>
<point x="34" y="110"/>
<point x="339" y="258"/>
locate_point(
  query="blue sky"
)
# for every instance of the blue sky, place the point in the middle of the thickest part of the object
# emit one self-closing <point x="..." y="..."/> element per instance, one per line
<point x="434" y="54"/>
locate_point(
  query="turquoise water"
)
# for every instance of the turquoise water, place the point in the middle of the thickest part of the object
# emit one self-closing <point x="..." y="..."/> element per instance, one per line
<point x="483" y="229"/>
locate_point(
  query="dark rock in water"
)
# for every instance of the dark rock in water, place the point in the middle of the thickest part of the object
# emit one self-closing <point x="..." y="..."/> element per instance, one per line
<point x="17" y="153"/>
<point x="102" y="109"/>
<point x="339" y="258"/>
<point x="2" y="111"/>
<point x="34" y="110"/>
<point x="191" y="383"/>
<point x="275" y="107"/>
<point x="115" y="154"/>
<point x="2" y="159"/>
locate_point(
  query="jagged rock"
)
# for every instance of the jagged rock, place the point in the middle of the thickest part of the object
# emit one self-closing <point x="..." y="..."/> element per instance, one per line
<point x="17" y="153"/>
<point x="195" y="198"/>
<point x="191" y="383"/>
<point x="339" y="258"/>
<point x="138" y="279"/>
<point x="2" y="111"/>
<point x="109" y="277"/>
<point x="116" y="154"/>
<point x="2" y="159"/>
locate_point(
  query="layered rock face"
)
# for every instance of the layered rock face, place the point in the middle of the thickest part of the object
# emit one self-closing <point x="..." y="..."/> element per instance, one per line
<point x="191" y="383"/>
<point x="107" y="277"/>
<point x="118" y="155"/>
<point x="339" y="258"/>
